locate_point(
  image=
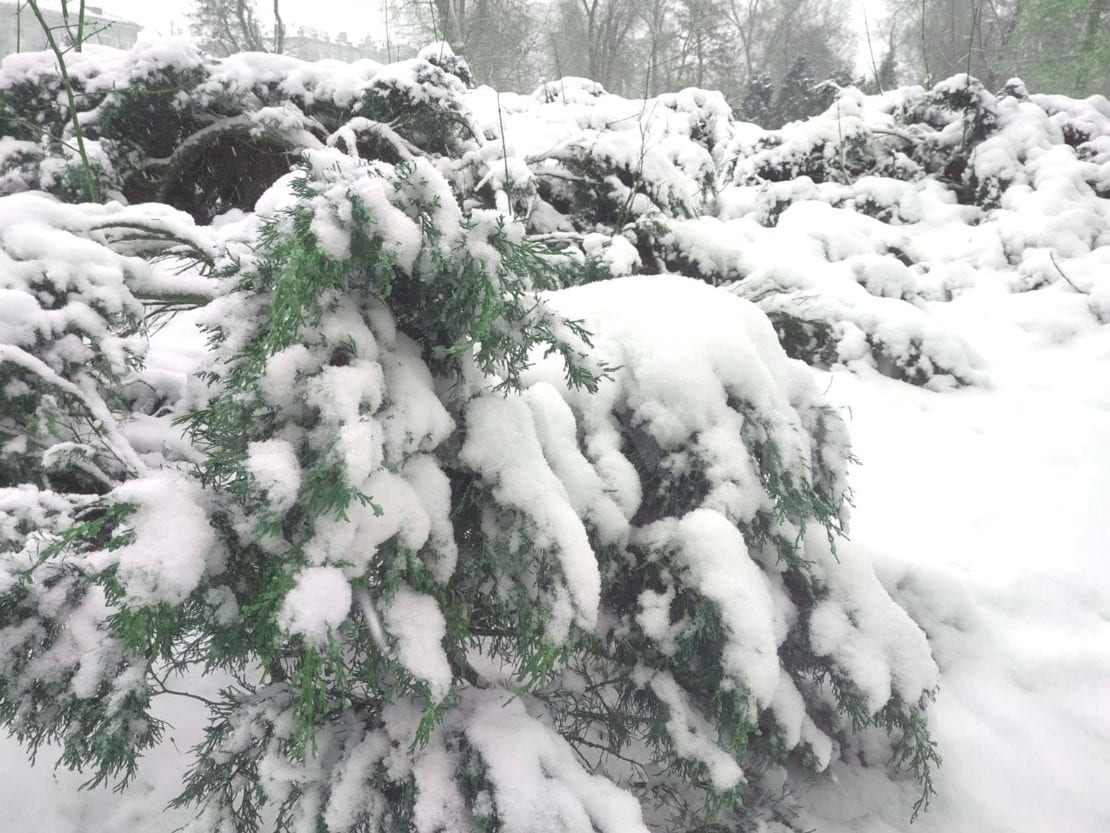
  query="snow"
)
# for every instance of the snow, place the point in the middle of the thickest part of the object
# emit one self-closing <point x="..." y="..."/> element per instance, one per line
<point x="788" y="708"/>
<point x="81" y="651"/>
<point x="618" y="254"/>
<point x="317" y="604"/>
<point x="677" y="391"/>
<point x="691" y="734"/>
<point x="432" y="490"/>
<point x="540" y="785"/>
<point x="832" y="264"/>
<point x="168" y="508"/>
<point x="414" y="419"/>
<point x="274" y="464"/>
<point x="417" y="624"/>
<point x="991" y="530"/>
<point x="654" y="619"/>
<point x="714" y="552"/>
<point x="585" y="488"/>
<point x="349" y="799"/>
<point x="503" y="447"/>
<point x="436" y="807"/>
<point x="867" y="635"/>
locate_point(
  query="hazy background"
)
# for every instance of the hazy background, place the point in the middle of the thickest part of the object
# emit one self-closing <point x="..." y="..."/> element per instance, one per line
<point x="357" y="18"/>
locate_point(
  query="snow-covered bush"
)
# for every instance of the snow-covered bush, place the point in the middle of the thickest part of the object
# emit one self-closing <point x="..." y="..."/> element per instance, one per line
<point x="168" y="123"/>
<point x="431" y="494"/>
<point x="476" y="535"/>
<point x="71" y="322"/>
<point x="576" y="163"/>
<point x="70" y="333"/>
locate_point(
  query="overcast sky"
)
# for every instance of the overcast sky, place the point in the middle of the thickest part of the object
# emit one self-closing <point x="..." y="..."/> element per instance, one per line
<point x="355" y="17"/>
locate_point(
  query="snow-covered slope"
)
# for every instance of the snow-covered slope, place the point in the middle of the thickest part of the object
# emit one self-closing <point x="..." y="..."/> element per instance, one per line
<point x="997" y="504"/>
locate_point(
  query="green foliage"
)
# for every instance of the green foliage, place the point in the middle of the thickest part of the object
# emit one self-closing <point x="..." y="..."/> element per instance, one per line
<point x="811" y="341"/>
<point x="182" y="132"/>
<point x="105" y="728"/>
<point x="463" y="314"/>
<point x="61" y="384"/>
<point x="961" y="100"/>
<point x="31" y="109"/>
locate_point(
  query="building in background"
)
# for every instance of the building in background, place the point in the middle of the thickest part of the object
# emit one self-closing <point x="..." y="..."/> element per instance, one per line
<point x="20" y="30"/>
<point x="314" y="45"/>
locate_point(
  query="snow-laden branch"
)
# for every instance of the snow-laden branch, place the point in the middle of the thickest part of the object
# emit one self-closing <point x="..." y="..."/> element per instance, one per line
<point x="105" y="420"/>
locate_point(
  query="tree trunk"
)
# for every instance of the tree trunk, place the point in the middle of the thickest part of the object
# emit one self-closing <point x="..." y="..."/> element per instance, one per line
<point x="1095" y="13"/>
<point x="279" y="29"/>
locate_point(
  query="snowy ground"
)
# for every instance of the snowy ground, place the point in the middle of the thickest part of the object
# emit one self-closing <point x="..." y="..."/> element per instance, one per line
<point x="987" y="511"/>
<point x="988" y="515"/>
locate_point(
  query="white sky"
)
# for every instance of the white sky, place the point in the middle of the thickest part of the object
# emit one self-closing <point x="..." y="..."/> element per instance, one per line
<point x="355" y="17"/>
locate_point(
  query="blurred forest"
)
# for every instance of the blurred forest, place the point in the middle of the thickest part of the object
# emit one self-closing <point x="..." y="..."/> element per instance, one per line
<point x="774" y="60"/>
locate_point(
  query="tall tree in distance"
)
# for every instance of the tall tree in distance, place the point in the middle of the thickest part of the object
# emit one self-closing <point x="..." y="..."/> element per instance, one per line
<point x="638" y="47"/>
<point x="609" y="23"/>
<point x="941" y="38"/>
<point x="655" y="15"/>
<point x="706" y="55"/>
<point x="886" y="76"/>
<point x="621" y="44"/>
<point x="798" y="93"/>
<point x="279" y="28"/>
<point x="502" y="40"/>
<point x="759" y="102"/>
<point x="1062" y="46"/>
<point x="225" y="27"/>
<point x="769" y="35"/>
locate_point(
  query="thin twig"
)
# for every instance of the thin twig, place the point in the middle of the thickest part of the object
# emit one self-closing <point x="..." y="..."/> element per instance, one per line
<point x="900" y="134"/>
<point x="975" y="8"/>
<point x="1064" y="275"/>
<point x="90" y="35"/>
<point x="30" y="124"/>
<point x="840" y="141"/>
<point x="92" y="187"/>
<point x="163" y="690"/>
<point x="870" y="50"/>
<point x="504" y="146"/>
<point x="579" y="740"/>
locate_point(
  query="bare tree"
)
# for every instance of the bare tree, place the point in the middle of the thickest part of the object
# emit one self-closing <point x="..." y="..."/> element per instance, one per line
<point x="940" y="38"/>
<point x="639" y="46"/>
<point x="225" y="27"/>
<point x="279" y="29"/>
<point x="609" y="24"/>
<point x="772" y="33"/>
<point x="502" y="40"/>
<point x="1097" y="14"/>
<point x="655" y="15"/>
